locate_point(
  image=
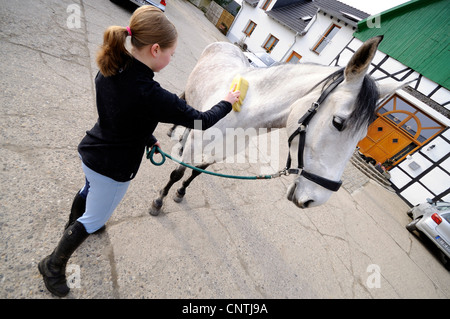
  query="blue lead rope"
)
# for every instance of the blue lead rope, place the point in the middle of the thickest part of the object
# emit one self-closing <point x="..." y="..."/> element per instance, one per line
<point x="151" y="154"/>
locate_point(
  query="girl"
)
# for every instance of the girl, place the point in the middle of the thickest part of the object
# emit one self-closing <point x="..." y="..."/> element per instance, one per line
<point x="130" y="104"/>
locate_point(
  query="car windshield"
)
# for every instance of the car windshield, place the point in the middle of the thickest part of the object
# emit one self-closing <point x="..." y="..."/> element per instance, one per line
<point x="265" y="58"/>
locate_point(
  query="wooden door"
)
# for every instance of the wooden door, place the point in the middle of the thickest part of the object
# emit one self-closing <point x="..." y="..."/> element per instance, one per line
<point x="383" y="141"/>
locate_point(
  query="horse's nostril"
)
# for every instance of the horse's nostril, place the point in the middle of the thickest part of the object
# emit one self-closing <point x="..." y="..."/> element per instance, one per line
<point x="307" y="203"/>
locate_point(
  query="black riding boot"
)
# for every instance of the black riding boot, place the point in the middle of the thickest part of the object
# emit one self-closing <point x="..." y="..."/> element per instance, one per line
<point x="77" y="210"/>
<point x="53" y="267"/>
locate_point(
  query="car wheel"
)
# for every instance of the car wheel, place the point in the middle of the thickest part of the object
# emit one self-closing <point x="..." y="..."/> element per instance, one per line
<point x="412" y="225"/>
<point x="447" y="263"/>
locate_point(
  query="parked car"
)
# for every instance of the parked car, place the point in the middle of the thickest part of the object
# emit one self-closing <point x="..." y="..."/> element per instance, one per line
<point x="260" y="59"/>
<point x="161" y="4"/>
<point x="433" y="220"/>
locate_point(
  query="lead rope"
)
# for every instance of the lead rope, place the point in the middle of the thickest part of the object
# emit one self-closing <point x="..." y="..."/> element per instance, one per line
<point x="151" y="154"/>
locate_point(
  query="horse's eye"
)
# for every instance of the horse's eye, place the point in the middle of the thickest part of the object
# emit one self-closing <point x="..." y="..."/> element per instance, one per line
<point x="338" y="123"/>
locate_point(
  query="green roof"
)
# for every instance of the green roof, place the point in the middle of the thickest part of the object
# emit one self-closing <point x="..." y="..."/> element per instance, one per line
<point x="417" y="34"/>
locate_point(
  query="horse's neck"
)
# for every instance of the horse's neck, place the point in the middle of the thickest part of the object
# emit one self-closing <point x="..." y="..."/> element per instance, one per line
<point x="275" y="89"/>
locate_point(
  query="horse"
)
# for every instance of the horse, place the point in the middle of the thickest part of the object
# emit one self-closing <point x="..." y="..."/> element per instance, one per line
<point x="325" y="110"/>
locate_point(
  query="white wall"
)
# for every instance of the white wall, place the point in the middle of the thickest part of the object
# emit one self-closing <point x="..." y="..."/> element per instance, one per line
<point x="436" y="181"/>
<point x="265" y="26"/>
<point x="314" y="34"/>
<point x="288" y="41"/>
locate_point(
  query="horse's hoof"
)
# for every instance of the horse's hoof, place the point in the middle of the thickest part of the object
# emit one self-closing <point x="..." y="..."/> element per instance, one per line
<point x="154" y="211"/>
<point x="178" y="197"/>
<point x="156" y="207"/>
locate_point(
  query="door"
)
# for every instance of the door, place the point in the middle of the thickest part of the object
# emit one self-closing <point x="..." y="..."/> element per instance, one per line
<point x="399" y="130"/>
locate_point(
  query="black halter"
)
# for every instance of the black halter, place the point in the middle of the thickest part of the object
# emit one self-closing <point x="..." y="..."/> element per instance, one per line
<point x="301" y="130"/>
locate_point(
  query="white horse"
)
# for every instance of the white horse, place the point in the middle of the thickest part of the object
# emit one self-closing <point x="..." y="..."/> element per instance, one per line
<point x="278" y="97"/>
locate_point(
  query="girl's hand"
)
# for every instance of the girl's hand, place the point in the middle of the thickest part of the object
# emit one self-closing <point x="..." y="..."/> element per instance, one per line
<point x="156" y="145"/>
<point x="233" y="95"/>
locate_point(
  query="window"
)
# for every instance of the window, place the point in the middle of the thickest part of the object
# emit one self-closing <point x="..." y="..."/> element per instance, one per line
<point x="326" y="38"/>
<point x="266" y="4"/>
<point x="249" y="28"/>
<point x="294" y="58"/>
<point x="270" y="44"/>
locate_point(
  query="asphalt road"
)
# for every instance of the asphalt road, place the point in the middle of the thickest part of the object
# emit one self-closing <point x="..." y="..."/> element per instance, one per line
<point x="227" y="239"/>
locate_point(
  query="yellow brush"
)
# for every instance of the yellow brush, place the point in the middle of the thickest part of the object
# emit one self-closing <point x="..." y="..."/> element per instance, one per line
<point x="241" y="85"/>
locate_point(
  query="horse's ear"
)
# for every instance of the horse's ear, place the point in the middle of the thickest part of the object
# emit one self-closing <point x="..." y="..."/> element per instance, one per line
<point x="388" y="88"/>
<point x="359" y="63"/>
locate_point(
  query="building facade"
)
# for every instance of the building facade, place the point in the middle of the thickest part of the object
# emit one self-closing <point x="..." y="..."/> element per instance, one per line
<point x="295" y="30"/>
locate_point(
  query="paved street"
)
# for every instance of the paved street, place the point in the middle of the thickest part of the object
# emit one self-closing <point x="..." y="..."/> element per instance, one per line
<point x="227" y="239"/>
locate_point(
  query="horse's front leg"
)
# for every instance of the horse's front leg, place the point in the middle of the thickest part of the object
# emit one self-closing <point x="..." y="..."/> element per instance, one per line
<point x="179" y="195"/>
<point x="175" y="176"/>
<point x="171" y="130"/>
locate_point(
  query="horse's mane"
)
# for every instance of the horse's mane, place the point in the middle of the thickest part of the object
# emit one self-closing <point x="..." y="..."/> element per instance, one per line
<point x="366" y="101"/>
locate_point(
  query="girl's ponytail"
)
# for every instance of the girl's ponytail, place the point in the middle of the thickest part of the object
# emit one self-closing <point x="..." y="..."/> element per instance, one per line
<point x="148" y="25"/>
<point x="113" y="55"/>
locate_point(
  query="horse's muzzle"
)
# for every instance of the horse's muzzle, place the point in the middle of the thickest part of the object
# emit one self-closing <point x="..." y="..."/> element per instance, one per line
<point x="291" y="196"/>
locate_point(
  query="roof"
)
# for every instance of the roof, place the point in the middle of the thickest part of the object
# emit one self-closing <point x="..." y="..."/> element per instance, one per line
<point x="417" y="34"/>
<point x="253" y="3"/>
<point x="291" y="14"/>
<point x="348" y="13"/>
<point x="296" y="14"/>
<point x="232" y="7"/>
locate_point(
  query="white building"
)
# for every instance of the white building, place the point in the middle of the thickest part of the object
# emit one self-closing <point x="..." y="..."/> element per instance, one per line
<point x="295" y="30"/>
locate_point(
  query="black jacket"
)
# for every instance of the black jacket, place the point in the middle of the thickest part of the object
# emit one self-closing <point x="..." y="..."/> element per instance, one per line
<point x="130" y="105"/>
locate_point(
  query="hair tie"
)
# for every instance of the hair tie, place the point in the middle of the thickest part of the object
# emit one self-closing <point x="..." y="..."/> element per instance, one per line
<point x="129" y="31"/>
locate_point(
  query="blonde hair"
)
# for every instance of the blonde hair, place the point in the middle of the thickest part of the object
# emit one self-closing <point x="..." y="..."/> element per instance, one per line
<point x="148" y="26"/>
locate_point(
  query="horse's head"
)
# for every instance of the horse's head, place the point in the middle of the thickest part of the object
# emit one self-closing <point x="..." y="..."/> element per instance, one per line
<point x="346" y="106"/>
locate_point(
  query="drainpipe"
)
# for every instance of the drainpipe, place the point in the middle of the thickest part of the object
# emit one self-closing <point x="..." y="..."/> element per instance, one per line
<point x="290" y="48"/>
<point x="301" y="34"/>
